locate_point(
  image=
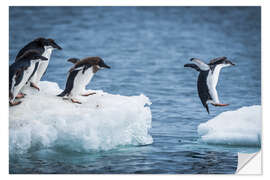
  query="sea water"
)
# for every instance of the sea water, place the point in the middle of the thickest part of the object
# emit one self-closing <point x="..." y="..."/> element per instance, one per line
<point x="160" y="125"/>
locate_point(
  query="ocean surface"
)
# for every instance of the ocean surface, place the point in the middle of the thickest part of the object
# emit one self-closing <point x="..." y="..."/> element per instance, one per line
<point x="147" y="48"/>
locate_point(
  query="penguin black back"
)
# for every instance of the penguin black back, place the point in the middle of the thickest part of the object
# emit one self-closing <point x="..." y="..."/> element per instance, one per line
<point x="70" y="83"/>
<point x="203" y="90"/>
<point x="36" y="44"/>
<point x="24" y="60"/>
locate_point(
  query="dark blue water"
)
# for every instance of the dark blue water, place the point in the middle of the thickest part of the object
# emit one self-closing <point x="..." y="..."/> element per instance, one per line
<point x="147" y="48"/>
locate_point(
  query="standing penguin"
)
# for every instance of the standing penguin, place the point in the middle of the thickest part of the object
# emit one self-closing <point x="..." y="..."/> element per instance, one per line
<point x="80" y="75"/>
<point x="45" y="47"/>
<point x="20" y="72"/>
<point x="208" y="78"/>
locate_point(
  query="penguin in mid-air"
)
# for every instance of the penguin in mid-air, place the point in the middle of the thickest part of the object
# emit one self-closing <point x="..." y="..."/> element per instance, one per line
<point x="45" y="47"/>
<point x="208" y="78"/>
<point x="20" y="71"/>
<point x="80" y="75"/>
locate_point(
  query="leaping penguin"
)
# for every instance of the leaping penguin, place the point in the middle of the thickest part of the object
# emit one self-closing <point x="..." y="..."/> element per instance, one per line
<point x="80" y="75"/>
<point x="208" y="78"/>
<point x="45" y="47"/>
<point x="20" y="71"/>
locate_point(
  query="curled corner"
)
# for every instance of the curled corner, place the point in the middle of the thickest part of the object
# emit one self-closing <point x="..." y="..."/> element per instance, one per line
<point x="249" y="163"/>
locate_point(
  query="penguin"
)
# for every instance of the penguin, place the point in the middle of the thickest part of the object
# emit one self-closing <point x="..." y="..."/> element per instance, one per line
<point x="80" y="75"/>
<point x="20" y="71"/>
<point x="45" y="47"/>
<point x="208" y="79"/>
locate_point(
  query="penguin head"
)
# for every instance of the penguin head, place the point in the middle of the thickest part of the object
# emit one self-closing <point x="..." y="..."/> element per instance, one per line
<point x="223" y="61"/>
<point x="33" y="55"/>
<point x="228" y="63"/>
<point x="94" y="61"/>
<point x="49" y="43"/>
<point x="101" y="64"/>
<point x="98" y="64"/>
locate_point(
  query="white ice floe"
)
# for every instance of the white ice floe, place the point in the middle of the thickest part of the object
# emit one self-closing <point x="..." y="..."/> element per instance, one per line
<point x="103" y="121"/>
<point x="240" y="127"/>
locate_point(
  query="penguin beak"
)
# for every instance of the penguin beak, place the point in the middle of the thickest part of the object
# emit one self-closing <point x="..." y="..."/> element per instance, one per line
<point x="54" y="45"/>
<point x="230" y="63"/>
<point x="103" y="65"/>
<point x="106" y="66"/>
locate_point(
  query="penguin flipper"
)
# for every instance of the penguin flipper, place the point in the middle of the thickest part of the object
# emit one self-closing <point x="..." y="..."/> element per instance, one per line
<point x="73" y="60"/>
<point x="203" y="90"/>
<point x="69" y="83"/>
<point x="206" y="107"/>
<point x="62" y="94"/>
<point x="194" y="66"/>
<point x="16" y="70"/>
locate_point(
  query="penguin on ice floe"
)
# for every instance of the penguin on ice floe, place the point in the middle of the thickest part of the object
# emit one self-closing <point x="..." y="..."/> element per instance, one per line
<point x="20" y="72"/>
<point x="45" y="47"/>
<point x="208" y="78"/>
<point x="80" y="75"/>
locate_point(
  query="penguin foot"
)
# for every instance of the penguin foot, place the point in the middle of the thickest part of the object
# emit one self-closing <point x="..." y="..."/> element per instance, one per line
<point x="75" y="101"/>
<point x="88" y="94"/>
<point x="220" y="104"/>
<point x="34" y="86"/>
<point x="14" y="103"/>
<point x="20" y="95"/>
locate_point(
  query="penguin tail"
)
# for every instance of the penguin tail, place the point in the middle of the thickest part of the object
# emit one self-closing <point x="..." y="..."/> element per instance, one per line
<point x="62" y="94"/>
<point x="194" y="66"/>
<point x="207" y="109"/>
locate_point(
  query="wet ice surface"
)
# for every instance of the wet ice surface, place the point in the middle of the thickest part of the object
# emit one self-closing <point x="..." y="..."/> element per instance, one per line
<point x="147" y="48"/>
<point x="241" y="127"/>
<point x="102" y="122"/>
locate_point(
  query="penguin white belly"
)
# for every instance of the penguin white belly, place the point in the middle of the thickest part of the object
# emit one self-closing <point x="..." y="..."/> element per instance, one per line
<point x="212" y="80"/>
<point x="26" y="74"/>
<point x="215" y="75"/>
<point x="42" y="66"/>
<point x="211" y="84"/>
<point x="80" y="81"/>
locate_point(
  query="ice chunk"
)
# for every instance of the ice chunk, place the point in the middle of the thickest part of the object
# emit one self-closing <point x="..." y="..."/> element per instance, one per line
<point x="241" y="127"/>
<point x="103" y="121"/>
